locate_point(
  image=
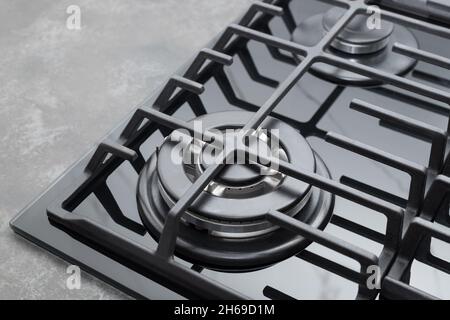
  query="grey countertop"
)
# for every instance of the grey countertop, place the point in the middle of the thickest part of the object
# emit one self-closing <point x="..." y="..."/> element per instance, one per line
<point x="62" y="90"/>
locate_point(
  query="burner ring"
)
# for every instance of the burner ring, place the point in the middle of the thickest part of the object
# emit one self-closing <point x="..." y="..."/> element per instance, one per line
<point x="376" y="54"/>
<point x="232" y="255"/>
<point x="221" y="251"/>
<point x="357" y="37"/>
<point x="246" y="200"/>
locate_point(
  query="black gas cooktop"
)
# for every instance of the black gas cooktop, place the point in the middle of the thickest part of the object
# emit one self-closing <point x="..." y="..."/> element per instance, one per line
<point x="361" y="178"/>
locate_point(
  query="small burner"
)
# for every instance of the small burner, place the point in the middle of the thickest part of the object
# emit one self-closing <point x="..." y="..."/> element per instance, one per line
<point x="231" y="210"/>
<point x="359" y="43"/>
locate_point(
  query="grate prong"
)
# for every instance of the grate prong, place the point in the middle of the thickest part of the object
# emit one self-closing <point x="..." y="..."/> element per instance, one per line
<point x="422" y="55"/>
<point x="416" y="172"/>
<point x="437" y="136"/>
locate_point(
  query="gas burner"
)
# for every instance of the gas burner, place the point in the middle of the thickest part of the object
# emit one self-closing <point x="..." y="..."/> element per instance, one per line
<point x="225" y="228"/>
<point x="358" y="43"/>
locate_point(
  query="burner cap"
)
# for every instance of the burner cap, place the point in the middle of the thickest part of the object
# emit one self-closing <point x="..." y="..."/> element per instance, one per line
<point x="357" y="37"/>
<point x="238" y="174"/>
<point x="358" y="43"/>
<point x="225" y="228"/>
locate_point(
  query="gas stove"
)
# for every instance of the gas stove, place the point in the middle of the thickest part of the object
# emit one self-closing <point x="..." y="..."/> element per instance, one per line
<point x="351" y="203"/>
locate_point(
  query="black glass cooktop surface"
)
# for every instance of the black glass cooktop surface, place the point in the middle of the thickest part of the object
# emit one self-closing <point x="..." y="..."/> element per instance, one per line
<point x="373" y="126"/>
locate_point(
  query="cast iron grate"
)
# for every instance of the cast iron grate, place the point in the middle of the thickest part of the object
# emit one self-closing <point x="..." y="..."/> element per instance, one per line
<point x="410" y="222"/>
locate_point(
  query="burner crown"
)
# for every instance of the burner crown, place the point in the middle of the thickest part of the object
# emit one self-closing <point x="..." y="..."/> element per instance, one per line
<point x="358" y="37"/>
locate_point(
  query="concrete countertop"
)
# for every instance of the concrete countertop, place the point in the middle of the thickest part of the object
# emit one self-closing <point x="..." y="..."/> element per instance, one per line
<point x="62" y="90"/>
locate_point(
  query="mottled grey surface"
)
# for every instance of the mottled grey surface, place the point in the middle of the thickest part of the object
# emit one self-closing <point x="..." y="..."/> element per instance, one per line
<point x="61" y="91"/>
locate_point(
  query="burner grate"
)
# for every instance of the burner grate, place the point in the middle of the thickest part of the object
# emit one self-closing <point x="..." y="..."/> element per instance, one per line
<point x="409" y="221"/>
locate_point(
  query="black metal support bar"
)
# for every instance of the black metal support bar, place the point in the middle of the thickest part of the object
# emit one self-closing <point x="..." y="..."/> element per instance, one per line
<point x="417" y="172"/>
<point x="432" y="78"/>
<point x="177" y="82"/>
<point x="275" y="294"/>
<point x="260" y="7"/>
<point x="369" y="189"/>
<point x="422" y="55"/>
<point x="184" y="83"/>
<point x="419" y="230"/>
<point x="273" y="41"/>
<point x="278" y="95"/>
<point x="106" y="198"/>
<point x="177" y="124"/>
<point x="331" y="266"/>
<point x="196" y="104"/>
<point x="255" y="9"/>
<point x="166" y="245"/>
<point x="112" y="148"/>
<point x="436" y="195"/>
<point x="141" y="258"/>
<point x="252" y="70"/>
<point x="386" y="77"/>
<point x="393" y="213"/>
<point x="446" y="170"/>
<point x="412" y="100"/>
<point x="358" y="229"/>
<point x="276" y="53"/>
<point x="287" y="17"/>
<point x="416" y="24"/>
<point x="332" y="186"/>
<point x="164" y="99"/>
<point x="205" y="55"/>
<point x="300" y="70"/>
<point x="437" y="136"/>
<point x="397" y="290"/>
<point x="139" y="162"/>
<point x="364" y="258"/>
